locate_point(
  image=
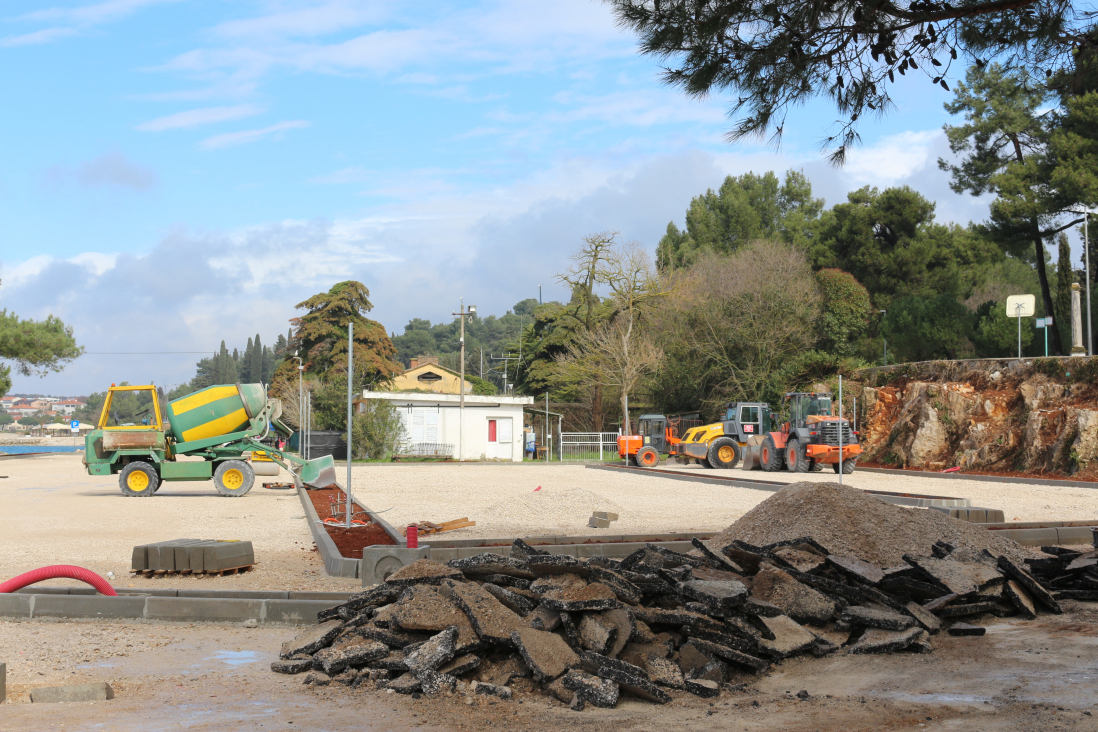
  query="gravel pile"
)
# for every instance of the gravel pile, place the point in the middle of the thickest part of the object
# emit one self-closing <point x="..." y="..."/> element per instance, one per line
<point x="851" y="522"/>
<point x="656" y="625"/>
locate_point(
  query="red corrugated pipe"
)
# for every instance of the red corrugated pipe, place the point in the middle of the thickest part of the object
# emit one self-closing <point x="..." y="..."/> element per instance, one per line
<point x="58" y="570"/>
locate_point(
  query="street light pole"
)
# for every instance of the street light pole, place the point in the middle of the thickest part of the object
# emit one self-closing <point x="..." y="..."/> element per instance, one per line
<point x="1086" y="259"/>
<point x="350" y="408"/>
<point x="300" y="406"/>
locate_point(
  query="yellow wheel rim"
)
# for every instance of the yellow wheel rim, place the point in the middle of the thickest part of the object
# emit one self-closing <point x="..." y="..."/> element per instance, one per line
<point x="137" y="480"/>
<point x="726" y="453"/>
<point x="232" y="479"/>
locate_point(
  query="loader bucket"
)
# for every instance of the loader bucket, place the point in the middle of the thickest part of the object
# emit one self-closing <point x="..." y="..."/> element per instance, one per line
<point x="318" y="473"/>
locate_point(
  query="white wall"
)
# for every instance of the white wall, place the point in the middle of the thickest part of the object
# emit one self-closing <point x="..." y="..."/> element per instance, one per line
<point x="442" y="424"/>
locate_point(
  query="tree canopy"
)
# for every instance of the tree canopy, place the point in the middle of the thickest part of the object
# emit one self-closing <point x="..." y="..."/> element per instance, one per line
<point x="35" y="346"/>
<point x="771" y="55"/>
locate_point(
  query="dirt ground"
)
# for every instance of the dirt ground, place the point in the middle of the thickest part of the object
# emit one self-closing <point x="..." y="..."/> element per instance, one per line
<point x="1021" y="676"/>
<point x="1040" y="675"/>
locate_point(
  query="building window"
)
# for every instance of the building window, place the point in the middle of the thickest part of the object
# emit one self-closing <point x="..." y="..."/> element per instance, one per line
<point x="429" y="376"/>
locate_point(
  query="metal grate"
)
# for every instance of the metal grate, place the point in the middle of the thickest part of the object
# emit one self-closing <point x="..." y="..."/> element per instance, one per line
<point x="588" y="445"/>
<point x="829" y="432"/>
<point x="427" y="449"/>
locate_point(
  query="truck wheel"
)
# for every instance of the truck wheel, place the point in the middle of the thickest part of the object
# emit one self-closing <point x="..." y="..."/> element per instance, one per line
<point x="723" y="453"/>
<point x="704" y="462"/>
<point x="817" y="467"/>
<point x="770" y="456"/>
<point x="233" y="478"/>
<point x="848" y="467"/>
<point x="796" y="456"/>
<point x="138" y="479"/>
<point x="647" y="457"/>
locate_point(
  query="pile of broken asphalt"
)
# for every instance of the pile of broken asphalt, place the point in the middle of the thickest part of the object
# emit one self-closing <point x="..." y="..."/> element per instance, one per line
<point x="658" y="623"/>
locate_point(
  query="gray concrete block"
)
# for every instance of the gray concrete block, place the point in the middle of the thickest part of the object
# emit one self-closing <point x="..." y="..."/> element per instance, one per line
<point x="338" y="596"/>
<point x="226" y="555"/>
<point x="445" y="555"/>
<point x="3" y="682"/>
<point x="995" y="516"/>
<point x="81" y="606"/>
<point x="15" y="605"/>
<point x="185" y="608"/>
<point x="1070" y="535"/>
<point x="378" y="562"/>
<point x="99" y="691"/>
<point x="300" y="612"/>
<point x="598" y="523"/>
<point x="233" y="594"/>
<point x="1031" y="537"/>
<point x="606" y="515"/>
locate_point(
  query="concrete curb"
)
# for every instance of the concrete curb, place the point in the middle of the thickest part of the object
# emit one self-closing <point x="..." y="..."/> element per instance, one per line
<point x="195" y="594"/>
<point x="914" y="500"/>
<point x="1046" y="533"/>
<point x="148" y="607"/>
<point x="335" y="564"/>
<point x="986" y="478"/>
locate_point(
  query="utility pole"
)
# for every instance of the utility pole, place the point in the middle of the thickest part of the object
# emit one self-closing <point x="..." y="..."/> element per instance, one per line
<point x="461" y="313"/>
<point x="885" y="340"/>
<point x="300" y="406"/>
<point x="505" y="358"/>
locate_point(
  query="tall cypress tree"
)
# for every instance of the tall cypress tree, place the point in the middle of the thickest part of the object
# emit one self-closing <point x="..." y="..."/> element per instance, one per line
<point x="255" y="366"/>
<point x="1064" y="276"/>
<point x="246" y="364"/>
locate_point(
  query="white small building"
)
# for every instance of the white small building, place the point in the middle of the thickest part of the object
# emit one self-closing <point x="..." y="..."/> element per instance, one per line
<point x="492" y="427"/>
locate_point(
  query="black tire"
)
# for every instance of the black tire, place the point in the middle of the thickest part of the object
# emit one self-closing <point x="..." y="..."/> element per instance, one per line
<point x="724" y="453"/>
<point x="848" y="466"/>
<point x="233" y="478"/>
<point x="796" y="456"/>
<point x="138" y="479"/>
<point x="704" y="462"/>
<point x="647" y="457"/>
<point x="631" y="460"/>
<point x="817" y="467"/>
<point x="770" y="457"/>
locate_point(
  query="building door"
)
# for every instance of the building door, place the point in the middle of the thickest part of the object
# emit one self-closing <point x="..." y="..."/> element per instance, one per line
<point x="493" y="431"/>
<point x="504" y="445"/>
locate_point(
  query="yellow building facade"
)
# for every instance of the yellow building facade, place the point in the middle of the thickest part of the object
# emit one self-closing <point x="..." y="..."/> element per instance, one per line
<point x="425" y="374"/>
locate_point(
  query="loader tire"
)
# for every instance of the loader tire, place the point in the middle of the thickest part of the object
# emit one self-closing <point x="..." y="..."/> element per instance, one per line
<point x="647" y="457"/>
<point x="724" y="453"/>
<point x="817" y="467"/>
<point x="796" y="457"/>
<point x="138" y="479"/>
<point x="233" y="478"/>
<point x="770" y="457"/>
<point x="704" y="462"/>
<point x="848" y="466"/>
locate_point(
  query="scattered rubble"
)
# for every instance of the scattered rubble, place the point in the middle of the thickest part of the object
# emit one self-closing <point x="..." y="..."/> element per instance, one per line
<point x="660" y="623"/>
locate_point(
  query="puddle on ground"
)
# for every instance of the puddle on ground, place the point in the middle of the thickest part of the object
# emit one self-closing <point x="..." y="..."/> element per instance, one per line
<point x="235" y="658"/>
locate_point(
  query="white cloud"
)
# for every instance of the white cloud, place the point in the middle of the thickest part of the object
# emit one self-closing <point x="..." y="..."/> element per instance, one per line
<point x="892" y="158"/>
<point x="198" y="117"/>
<point x="231" y="139"/>
<point x="46" y="35"/>
<point x="110" y="170"/>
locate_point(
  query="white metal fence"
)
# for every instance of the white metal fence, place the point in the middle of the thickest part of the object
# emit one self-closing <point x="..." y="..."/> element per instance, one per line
<point x="588" y="445"/>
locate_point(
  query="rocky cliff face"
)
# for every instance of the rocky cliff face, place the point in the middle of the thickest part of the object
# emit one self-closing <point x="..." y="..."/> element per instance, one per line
<point x="1036" y="417"/>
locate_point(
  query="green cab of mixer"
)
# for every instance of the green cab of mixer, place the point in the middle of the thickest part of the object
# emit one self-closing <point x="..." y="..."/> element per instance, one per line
<point x="208" y="435"/>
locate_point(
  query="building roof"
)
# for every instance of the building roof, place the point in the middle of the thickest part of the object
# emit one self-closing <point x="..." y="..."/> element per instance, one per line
<point x="436" y="399"/>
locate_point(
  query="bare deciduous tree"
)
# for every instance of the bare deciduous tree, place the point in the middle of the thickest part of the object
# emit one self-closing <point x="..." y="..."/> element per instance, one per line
<point x="740" y="316"/>
<point x="618" y="352"/>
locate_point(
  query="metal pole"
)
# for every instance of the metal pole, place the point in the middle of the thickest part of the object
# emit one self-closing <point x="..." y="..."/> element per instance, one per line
<point x="1018" y="312"/>
<point x="547" y="427"/>
<point x="309" y="426"/>
<point x="350" y="414"/>
<point x="461" y="387"/>
<point x="840" y="429"/>
<point x="1046" y="337"/>
<point x="1086" y="255"/>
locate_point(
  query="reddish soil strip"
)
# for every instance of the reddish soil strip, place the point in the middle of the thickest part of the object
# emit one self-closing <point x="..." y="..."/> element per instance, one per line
<point x="349" y="541"/>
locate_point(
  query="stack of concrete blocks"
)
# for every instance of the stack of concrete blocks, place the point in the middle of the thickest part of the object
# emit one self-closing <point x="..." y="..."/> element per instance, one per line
<point x="601" y="519"/>
<point x="973" y="515"/>
<point x="196" y="555"/>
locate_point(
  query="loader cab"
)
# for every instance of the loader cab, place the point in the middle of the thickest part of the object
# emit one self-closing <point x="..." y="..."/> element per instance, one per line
<point x="746" y="419"/>
<point x="653" y="431"/>
<point x="807" y="408"/>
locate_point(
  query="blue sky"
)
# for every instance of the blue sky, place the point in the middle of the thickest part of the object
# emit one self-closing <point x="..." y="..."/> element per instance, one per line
<point x="175" y="172"/>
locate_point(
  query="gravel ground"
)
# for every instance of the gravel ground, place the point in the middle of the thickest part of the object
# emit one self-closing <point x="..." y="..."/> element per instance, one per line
<point x="1019" y="501"/>
<point x="55" y="513"/>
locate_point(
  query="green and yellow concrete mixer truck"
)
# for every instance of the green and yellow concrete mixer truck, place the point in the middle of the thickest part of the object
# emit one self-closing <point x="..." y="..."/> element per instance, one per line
<point x="217" y="429"/>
